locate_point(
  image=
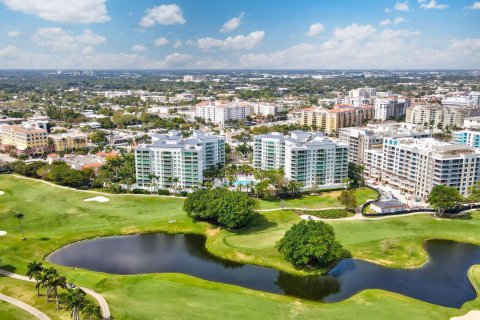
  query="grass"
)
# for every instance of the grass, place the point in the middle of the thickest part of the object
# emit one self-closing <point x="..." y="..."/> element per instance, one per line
<point x="11" y="312"/>
<point x="55" y="217"/>
<point x="326" y="199"/>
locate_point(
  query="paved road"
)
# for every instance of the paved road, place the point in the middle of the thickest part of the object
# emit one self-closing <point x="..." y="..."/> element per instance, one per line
<point x="28" y="308"/>
<point x="100" y="299"/>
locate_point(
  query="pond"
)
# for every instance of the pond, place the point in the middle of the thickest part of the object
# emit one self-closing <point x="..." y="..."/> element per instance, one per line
<point x="443" y="280"/>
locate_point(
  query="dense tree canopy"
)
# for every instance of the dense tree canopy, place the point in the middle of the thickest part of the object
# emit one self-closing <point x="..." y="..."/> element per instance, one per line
<point x="310" y="243"/>
<point x="443" y="198"/>
<point x="347" y="198"/>
<point x="227" y="208"/>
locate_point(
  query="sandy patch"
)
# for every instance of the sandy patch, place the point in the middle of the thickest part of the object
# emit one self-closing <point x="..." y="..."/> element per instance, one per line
<point x="97" y="199"/>
<point x="2" y="193"/>
<point x="309" y="217"/>
<point x="2" y="233"/>
<point x="471" y="315"/>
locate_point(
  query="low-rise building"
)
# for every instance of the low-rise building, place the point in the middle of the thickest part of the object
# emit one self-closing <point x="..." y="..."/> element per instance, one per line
<point x="438" y="115"/>
<point x="341" y="116"/>
<point x="67" y="141"/>
<point x="221" y="112"/>
<point x="24" y="138"/>
<point x="387" y="206"/>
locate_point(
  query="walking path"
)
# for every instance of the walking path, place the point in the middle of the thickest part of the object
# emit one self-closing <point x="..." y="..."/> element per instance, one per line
<point x="28" y="308"/>
<point x="361" y="217"/>
<point x="100" y="299"/>
<point x="301" y="209"/>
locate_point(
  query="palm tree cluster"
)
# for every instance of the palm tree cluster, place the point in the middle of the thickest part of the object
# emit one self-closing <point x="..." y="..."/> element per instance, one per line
<point x="73" y="299"/>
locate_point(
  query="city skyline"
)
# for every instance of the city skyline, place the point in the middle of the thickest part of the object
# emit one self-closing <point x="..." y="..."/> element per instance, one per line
<point x="96" y="34"/>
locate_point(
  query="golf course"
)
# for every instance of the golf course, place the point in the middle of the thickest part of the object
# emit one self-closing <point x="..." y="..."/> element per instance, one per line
<point x="56" y="216"/>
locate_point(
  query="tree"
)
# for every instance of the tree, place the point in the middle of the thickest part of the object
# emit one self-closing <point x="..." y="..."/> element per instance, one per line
<point x="20" y="217"/>
<point x="35" y="271"/>
<point x="347" y="198"/>
<point x="310" y="243"/>
<point x="355" y="174"/>
<point x="54" y="283"/>
<point x="91" y="311"/>
<point x="228" y="208"/>
<point x="74" y="300"/>
<point x="442" y="198"/>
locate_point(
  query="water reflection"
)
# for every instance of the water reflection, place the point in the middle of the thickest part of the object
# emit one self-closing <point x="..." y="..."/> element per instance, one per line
<point x="443" y="280"/>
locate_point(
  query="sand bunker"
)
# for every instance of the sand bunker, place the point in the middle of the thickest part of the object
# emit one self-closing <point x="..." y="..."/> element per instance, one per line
<point x="2" y="193"/>
<point x="97" y="199"/>
<point x="2" y="233"/>
<point x="471" y="315"/>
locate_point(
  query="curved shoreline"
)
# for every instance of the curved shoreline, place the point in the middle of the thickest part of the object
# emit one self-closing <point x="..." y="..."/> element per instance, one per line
<point x="204" y="238"/>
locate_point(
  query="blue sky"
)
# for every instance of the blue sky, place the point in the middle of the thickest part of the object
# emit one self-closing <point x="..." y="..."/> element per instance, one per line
<point x="216" y="34"/>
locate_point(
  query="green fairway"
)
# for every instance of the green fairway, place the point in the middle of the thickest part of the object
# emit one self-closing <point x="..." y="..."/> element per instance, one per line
<point x="10" y="312"/>
<point x="55" y="217"/>
<point x="327" y="199"/>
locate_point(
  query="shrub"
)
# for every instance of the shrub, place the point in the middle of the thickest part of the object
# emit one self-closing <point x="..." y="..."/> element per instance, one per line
<point x="325" y="214"/>
<point x="163" y="192"/>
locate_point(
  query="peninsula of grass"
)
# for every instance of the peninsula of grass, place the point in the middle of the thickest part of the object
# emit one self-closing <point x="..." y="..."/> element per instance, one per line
<point x="55" y="217"/>
<point x="322" y="200"/>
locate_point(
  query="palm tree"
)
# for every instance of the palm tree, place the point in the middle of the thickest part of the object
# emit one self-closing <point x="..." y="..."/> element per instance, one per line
<point x="35" y="271"/>
<point x="56" y="281"/>
<point x="74" y="300"/>
<point x="90" y="311"/>
<point x="20" y="216"/>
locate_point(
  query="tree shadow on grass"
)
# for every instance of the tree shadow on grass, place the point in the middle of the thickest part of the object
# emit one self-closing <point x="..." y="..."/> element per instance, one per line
<point x="8" y="268"/>
<point x="259" y="223"/>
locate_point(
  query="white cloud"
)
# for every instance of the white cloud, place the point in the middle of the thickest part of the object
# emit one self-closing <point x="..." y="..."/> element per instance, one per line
<point x="75" y="12"/>
<point x="9" y="52"/>
<point x="139" y="47"/>
<point x="315" y="29"/>
<point x="239" y="42"/>
<point x="354" y="31"/>
<point x="88" y="50"/>
<point x="165" y="14"/>
<point x="13" y="34"/>
<point x="388" y="10"/>
<point x="61" y="40"/>
<point x="402" y="6"/>
<point x="386" y="22"/>
<point x="176" y="58"/>
<point x="177" y="44"/>
<point x="160" y="42"/>
<point x="474" y="6"/>
<point x="233" y="23"/>
<point x="432" y="4"/>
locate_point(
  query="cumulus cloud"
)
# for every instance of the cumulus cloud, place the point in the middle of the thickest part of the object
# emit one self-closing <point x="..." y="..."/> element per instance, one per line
<point x="233" y="23"/>
<point x="139" y="47"/>
<point x="474" y="6"/>
<point x="402" y="6"/>
<point x="13" y="34"/>
<point x="177" y="44"/>
<point x="160" y="42"/>
<point x="61" y="40"/>
<point x="386" y="22"/>
<point x="315" y="29"/>
<point x="432" y="4"/>
<point x="388" y="10"/>
<point x="363" y="46"/>
<point x="9" y="52"/>
<point x="240" y="42"/>
<point x="165" y="14"/>
<point x="75" y="12"/>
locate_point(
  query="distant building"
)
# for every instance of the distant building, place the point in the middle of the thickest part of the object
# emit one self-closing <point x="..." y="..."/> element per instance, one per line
<point x="220" y="112"/>
<point x="435" y="114"/>
<point x="467" y="138"/>
<point x="307" y="158"/>
<point x="172" y="161"/>
<point x="266" y="109"/>
<point x="341" y="116"/>
<point x="390" y="108"/>
<point x="26" y="138"/>
<point x="67" y="141"/>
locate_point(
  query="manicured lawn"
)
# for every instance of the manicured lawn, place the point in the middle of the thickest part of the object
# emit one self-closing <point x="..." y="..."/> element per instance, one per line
<point x="10" y="312"/>
<point x="327" y="199"/>
<point x="55" y="217"/>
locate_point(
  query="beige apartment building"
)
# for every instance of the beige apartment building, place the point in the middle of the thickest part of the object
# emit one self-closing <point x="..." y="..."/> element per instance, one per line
<point x="24" y="138"/>
<point x="341" y="116"/>
<point x="67" y="141"/>
<point x="435" y="114"/>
